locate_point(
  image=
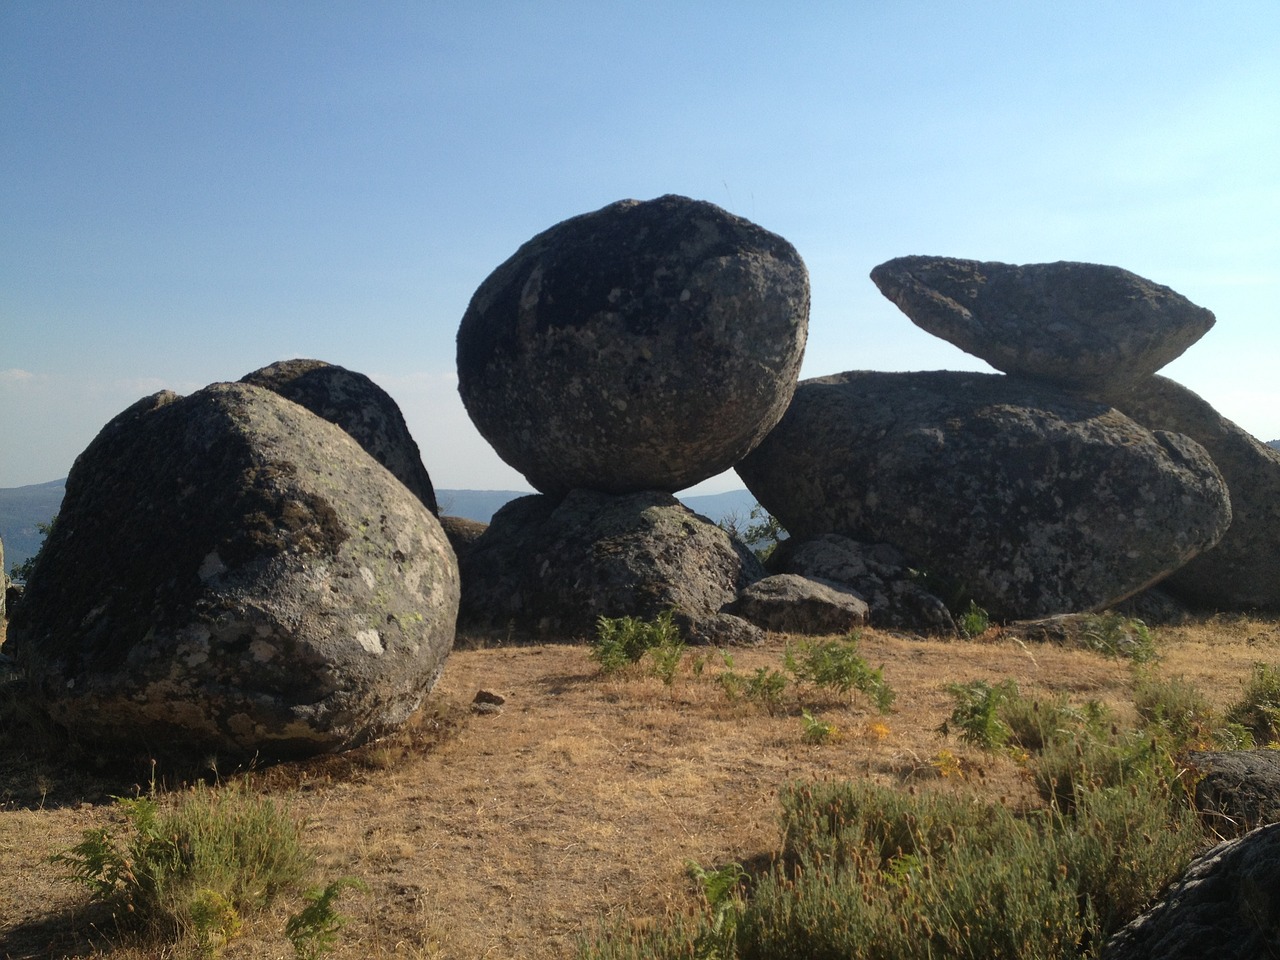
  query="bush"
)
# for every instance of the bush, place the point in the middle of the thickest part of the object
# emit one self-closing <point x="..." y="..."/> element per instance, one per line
<point x="622" y="641"/>
<point x="1258" y="711"/>
<point x="194" y="869"/>
<point x="836" y="665"/>
<point x="977" y="712"/>
<point x="1174" y="707"/>
<point x="1116" y="635"/>
<point x="974" y="621"/>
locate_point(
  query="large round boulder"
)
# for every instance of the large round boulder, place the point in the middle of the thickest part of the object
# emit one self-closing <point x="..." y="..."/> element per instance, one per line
<point x="550" y="569"/>
<point x="1243" y="571"/>
<point x="1027" y="500"/>
<point x="232" y="575"/>
<point x="1084" y="326"/>
<point x="360" y="407"/>
<point x="645" y="346"/>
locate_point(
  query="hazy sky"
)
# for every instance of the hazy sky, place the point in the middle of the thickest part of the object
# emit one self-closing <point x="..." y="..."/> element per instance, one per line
<point x="189" y="191"/>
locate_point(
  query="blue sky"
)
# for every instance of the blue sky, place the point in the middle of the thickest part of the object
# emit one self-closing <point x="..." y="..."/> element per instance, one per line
<point x="193" y="190"/>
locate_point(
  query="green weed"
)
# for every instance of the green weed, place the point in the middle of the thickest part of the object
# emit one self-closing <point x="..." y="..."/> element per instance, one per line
<point x="1258" y="710"/>
<point x="622" y="641"/>
<point x="974" y="621"/>
<point x="193" y="869"/>
<point x="313" y="931"/>
<point x="836" y="665"/>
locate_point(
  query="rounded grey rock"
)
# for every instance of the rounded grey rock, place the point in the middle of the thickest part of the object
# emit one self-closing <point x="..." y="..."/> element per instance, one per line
<point x="1025" y="499"/>
<point x="550" y="569"/>
<point x="232" y="575"/>
<point x="360" y="407"/>
<point x="645" y="346"/>
<point x="1242" y="571"/>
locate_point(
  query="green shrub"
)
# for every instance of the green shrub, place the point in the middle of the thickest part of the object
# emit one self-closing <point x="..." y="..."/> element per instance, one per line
<point x="1116" y="635"/>
<point x="815" y="730"/>
<point x="193" y="869"/>
<point x="1258" y="710"/>
<point x="1175" y="707"/>
<point x="313" y="930"/>
<point x="977" y="712"/>
<point x="974" y="621"/>
<point x="836" y="665"/>
<point x="622" y="641"/>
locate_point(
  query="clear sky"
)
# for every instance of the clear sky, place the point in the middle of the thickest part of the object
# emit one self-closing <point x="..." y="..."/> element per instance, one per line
<point x="192" y="190"/>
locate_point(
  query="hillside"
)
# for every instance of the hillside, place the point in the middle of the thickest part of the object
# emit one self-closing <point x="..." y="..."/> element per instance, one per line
<point x="21" y="509"/>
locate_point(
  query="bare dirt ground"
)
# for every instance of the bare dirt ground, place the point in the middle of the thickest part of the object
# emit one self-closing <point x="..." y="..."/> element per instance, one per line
<point x="511" y="835"/>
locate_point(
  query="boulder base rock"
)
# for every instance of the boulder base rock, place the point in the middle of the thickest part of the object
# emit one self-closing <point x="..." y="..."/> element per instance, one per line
<point x="1243" y="570"/>
<point x="1225" y="907"/>
<point x="1027" y="500"/>
<point x="788" y="603"/>
<point x="1081" y="325"/>
<point x="551" y="569"/>
<point x="232" y="575"/>
<point x="360" y="407"/>
<point x="645" y="346"/>
<point x="878" y="573"/>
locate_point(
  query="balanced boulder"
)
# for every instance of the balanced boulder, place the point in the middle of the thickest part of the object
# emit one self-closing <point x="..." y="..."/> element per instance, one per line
<point x="645" y="346"/>
<point x="1029" y="501"/>
<point x="232" y="575"/>
<point x="1083" y="326"/>
<point x="549" y="568"/>
<point x="360" y="407"/>
<point x="1243" y="571"/>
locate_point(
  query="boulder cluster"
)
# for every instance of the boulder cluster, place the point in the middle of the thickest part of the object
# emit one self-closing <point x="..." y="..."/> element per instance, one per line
<point x="614" y="359"/>
<point x="1070" y="481"/>
<point x="258" y="569"/>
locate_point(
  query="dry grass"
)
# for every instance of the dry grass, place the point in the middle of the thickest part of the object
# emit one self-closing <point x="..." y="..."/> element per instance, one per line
<point x="508" y="835"/>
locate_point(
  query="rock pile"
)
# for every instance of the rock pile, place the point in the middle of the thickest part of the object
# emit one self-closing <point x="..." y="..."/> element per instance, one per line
<point x="1031" y="492"/>
<point x="231" y="575"/>
<point x="615" y="358"/>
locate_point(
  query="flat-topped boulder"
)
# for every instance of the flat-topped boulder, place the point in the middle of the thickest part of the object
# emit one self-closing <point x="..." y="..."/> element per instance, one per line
<point x="231" y="575"/>
<point x="1025" y="499"/>
<point x="644" y="346"/>
<point x="1083" y="326"/>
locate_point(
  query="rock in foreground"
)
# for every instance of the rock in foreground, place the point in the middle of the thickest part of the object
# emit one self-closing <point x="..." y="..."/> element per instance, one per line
<point x="1081" y="325"/>
<point x="1225" y="907"/>
<point x="645" y="346"/>
<point x="1027" y="500"/>
<point x="231" y="575"/>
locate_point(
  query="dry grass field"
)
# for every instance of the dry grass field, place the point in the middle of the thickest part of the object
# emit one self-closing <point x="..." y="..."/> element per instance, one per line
<point x="513" y="834"/>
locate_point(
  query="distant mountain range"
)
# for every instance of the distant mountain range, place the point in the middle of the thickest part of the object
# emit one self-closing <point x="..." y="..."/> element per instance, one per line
<point x="23" y="508"/>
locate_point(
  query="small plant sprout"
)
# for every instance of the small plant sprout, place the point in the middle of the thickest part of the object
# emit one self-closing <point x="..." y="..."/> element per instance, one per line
<point x="974" y="621"/>
<point x="815" y="730"/>
<point x="313" y="930"/>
